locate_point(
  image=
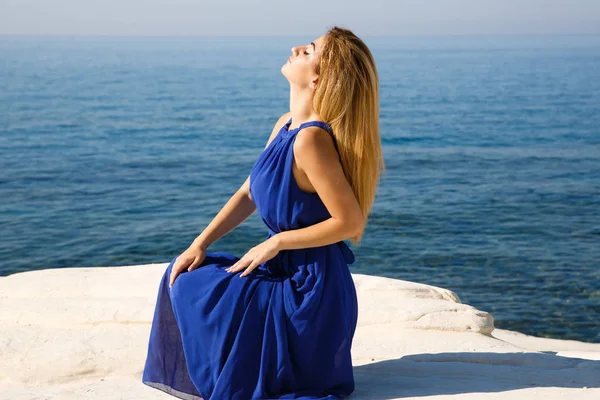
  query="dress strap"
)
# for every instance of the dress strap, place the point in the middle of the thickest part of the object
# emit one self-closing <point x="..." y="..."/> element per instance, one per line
<point x="320" y="124"/>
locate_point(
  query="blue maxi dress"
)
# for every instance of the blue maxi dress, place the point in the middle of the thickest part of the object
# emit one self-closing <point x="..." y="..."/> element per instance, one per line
<point x="284" y="331"/>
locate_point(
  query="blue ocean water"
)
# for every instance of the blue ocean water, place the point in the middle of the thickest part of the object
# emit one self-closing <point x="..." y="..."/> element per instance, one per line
<point x="120" y="150"/>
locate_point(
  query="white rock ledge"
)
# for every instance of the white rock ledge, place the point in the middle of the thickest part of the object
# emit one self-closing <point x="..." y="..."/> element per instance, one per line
<point x="82" y="333"/>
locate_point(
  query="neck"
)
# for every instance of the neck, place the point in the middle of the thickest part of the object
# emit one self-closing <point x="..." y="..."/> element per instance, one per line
<point x="301" y="108"/>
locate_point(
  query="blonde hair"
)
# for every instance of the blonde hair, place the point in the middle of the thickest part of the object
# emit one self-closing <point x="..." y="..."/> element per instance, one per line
<point x="347" y="98"/>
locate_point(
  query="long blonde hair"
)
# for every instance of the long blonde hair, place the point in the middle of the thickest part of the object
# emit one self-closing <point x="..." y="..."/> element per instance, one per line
<point x="347" y="98"/>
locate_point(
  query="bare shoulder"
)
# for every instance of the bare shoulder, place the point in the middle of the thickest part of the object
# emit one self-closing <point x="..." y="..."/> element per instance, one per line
<point x="314" y="144"/>
<point x="278" y="125"/>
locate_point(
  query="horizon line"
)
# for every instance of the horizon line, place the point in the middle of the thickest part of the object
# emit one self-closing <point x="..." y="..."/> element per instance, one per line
<point x="240" y="35"/>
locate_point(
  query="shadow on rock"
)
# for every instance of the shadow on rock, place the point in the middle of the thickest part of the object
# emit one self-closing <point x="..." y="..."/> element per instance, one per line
<point x="455" y="373"/>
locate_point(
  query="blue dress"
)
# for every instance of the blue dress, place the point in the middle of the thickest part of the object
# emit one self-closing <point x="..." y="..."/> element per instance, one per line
<point x="284" y="331"/>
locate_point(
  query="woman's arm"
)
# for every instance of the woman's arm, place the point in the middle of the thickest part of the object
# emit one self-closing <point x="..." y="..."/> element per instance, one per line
<point x="237" y="209"/>
<point x="316" y="156"/>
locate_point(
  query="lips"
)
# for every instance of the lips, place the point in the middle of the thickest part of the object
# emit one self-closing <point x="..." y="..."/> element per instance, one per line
<point x="289" y="59"/>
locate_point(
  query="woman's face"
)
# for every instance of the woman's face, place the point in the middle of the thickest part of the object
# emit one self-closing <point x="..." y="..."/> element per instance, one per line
<point x="300" y="68"/>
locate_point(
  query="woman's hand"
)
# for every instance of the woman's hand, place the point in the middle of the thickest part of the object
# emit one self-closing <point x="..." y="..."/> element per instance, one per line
<point x="188" y="260"/>
<point x="255" y="256"/>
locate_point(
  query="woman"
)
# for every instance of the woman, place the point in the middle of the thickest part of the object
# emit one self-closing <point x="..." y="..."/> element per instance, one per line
<point x="278" y="323"/>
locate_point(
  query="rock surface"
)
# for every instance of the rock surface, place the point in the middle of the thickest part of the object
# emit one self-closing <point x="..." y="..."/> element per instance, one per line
<point x="82" y="333"/>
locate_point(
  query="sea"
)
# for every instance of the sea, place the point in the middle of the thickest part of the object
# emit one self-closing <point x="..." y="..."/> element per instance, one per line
<point x="119" y="151"/>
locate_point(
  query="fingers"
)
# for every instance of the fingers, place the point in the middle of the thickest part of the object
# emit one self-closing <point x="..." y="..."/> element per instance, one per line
<point x="250" y="268"/>
<point x="239" y="265"/>
<point x="194" y="265"/>
<point x="174" y="274"/>
<point x="175" y="271"/>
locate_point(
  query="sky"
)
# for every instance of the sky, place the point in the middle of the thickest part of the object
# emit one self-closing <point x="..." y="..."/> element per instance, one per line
<point x="284" y="17"/>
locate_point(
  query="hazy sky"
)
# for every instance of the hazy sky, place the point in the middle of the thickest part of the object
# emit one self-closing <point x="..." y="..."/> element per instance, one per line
<point x="282" y="17"/>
